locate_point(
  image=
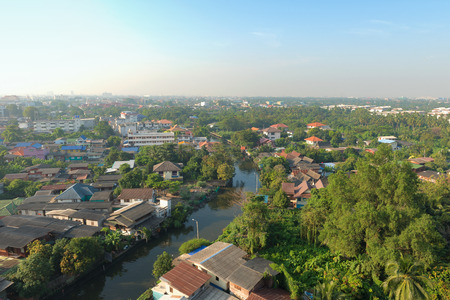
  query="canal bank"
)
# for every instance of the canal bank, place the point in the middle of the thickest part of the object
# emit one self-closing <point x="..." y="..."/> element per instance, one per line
<point x="132" y="275"/>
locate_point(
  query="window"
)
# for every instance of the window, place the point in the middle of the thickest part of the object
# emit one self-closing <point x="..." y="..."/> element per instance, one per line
<point x="217" y="278"/>
<point x="171" y="289"/>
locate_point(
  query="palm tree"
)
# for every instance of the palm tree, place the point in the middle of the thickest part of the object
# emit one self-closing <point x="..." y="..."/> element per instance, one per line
<point x="327" y="291"/>
<point x="405" y="281"/>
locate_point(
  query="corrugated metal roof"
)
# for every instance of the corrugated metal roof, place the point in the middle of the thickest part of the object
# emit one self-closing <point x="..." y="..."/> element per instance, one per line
<point x="186" y="279"/>
<point x="245" y="277"/>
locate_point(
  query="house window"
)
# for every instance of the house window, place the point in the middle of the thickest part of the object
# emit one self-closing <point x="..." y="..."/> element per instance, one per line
<point x="174" y="173"/>
<point x="171" y="289"/>
<point x="161" y="174"/>
<point x="217" y="278"/>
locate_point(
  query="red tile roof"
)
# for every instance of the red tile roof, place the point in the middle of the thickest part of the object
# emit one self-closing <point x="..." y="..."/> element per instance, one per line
<point x="279" y="125"/>
<point x="186" y="278"/>
<point x="313" y="139"/>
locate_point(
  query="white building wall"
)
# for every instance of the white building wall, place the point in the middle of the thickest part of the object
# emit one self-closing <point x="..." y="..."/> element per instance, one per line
<point x="150" y="138"/>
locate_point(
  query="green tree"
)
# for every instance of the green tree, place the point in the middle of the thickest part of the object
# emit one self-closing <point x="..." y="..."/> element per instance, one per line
<point x="162" y="265"/>
<point x="193" y="244"/>
<point x="131" y="179"/>
<point x="152" y="180"/>
<point x="33" y="275"/>
<point x="80" y="255"/>
<point x="146" y="232"/>
<point x="124" y="168"/>
<point x="31" y="112"/>
<point x="280" y="200"/>
<point x="103" y="130"/>
<point x="57" y="133"/>
<point x="12" y="133"/>
<point x="113" y="141"/>
<point x="405" y="281"/>
<point x="225" y="172"/>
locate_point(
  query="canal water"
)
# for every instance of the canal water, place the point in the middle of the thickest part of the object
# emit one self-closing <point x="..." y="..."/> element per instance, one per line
<point x="130" y="277"/>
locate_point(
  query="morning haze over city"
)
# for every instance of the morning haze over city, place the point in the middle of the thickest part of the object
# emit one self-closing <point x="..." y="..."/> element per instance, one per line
<point x="225" y="150"/>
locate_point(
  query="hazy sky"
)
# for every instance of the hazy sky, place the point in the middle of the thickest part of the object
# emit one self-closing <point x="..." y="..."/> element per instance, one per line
<point x="231" y="48"/>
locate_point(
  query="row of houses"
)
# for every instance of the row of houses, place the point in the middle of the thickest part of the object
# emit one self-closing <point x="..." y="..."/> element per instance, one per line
<point x="219" y="271"/>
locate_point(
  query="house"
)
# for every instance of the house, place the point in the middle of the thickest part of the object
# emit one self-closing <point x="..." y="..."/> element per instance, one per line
<point x="168" y="170"/>
<point x="84" y="216"/>
<point x="13" y="176"/>
<point x="130" y="196"/>
<point x="182" y="282"/>
<point x="251" y="276"/>
<point x="314" y="141"/>
<point x="78" y="166"/>
<point x="102" y="196"/>
<point x="265" y="141"/>
<point x="4" y="285"/>
<point x="60" y="141"/>
<point x="430" y="176"/>
<point x="389" y="137"/>
<point x="18" y="231"/>
<point x="134" y="216"/>
<point x="82" y="140"/>
<point x="79" y="174"/>
<point x="71" y="149"/>
<point x="29" y="151"/>
<point x="116" y="165"/>
<point x="280" y="126"/>
<point x="421" y="160"/>
<point x="219" y="260"/>
<point x="36" y="208"/>
<point x="77" y="156"/>
<point x="165" y="123"/>
<point x="55" y="188"/>
<point x="209" y="146"/>
<point x="76" y="193"/>
<point x="317" y="125"/>
<point x="272" y="133"/>
<point x="393" y="143"/>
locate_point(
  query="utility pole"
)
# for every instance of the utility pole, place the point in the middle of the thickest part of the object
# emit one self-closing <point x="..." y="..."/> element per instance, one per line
<point x="197" y="228"/>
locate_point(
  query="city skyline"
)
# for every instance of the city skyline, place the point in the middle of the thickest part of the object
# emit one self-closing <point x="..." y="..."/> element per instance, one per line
<point x="201" y="48"/>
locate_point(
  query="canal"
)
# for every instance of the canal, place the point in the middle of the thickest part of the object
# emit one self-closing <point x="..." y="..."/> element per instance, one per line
<point x="130" y="277"/>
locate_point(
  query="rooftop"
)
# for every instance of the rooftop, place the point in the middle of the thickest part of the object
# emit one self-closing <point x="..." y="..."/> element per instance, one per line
<point x="186" y="278"/>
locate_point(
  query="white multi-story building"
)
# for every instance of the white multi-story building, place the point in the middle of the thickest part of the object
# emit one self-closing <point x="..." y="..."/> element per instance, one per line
<point x="150" y="138"/>
<point x="66" y="125"/>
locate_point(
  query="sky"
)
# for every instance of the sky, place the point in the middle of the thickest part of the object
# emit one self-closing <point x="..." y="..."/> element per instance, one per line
<point x="323" y="48"/>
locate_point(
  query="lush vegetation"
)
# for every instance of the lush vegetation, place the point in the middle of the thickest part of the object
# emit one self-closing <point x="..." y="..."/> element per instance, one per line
<point x="47" y="261"/>
<point x="193" y="244"/>
<point x="162" y="265"/>
<point x="378" y="225"/>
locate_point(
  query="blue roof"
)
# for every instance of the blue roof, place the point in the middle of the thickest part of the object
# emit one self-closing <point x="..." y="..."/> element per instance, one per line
<point x="73" y="147"/>
<point x="197" y="250"/>
<point x="83" y="137"/>
<point x="37" y="145"/>
<point x="23" y="144"/>
<point x="130" y="149"/>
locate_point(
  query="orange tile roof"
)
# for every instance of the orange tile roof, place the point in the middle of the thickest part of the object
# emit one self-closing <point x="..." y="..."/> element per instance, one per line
<point x="313" y="139"/>
<point x="164" y="121"/>
<point x="255" y="128"/>
<point x="315" y="124"/>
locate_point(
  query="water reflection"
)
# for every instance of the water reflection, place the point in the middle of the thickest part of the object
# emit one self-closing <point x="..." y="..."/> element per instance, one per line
<point x="131" y="276"/>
